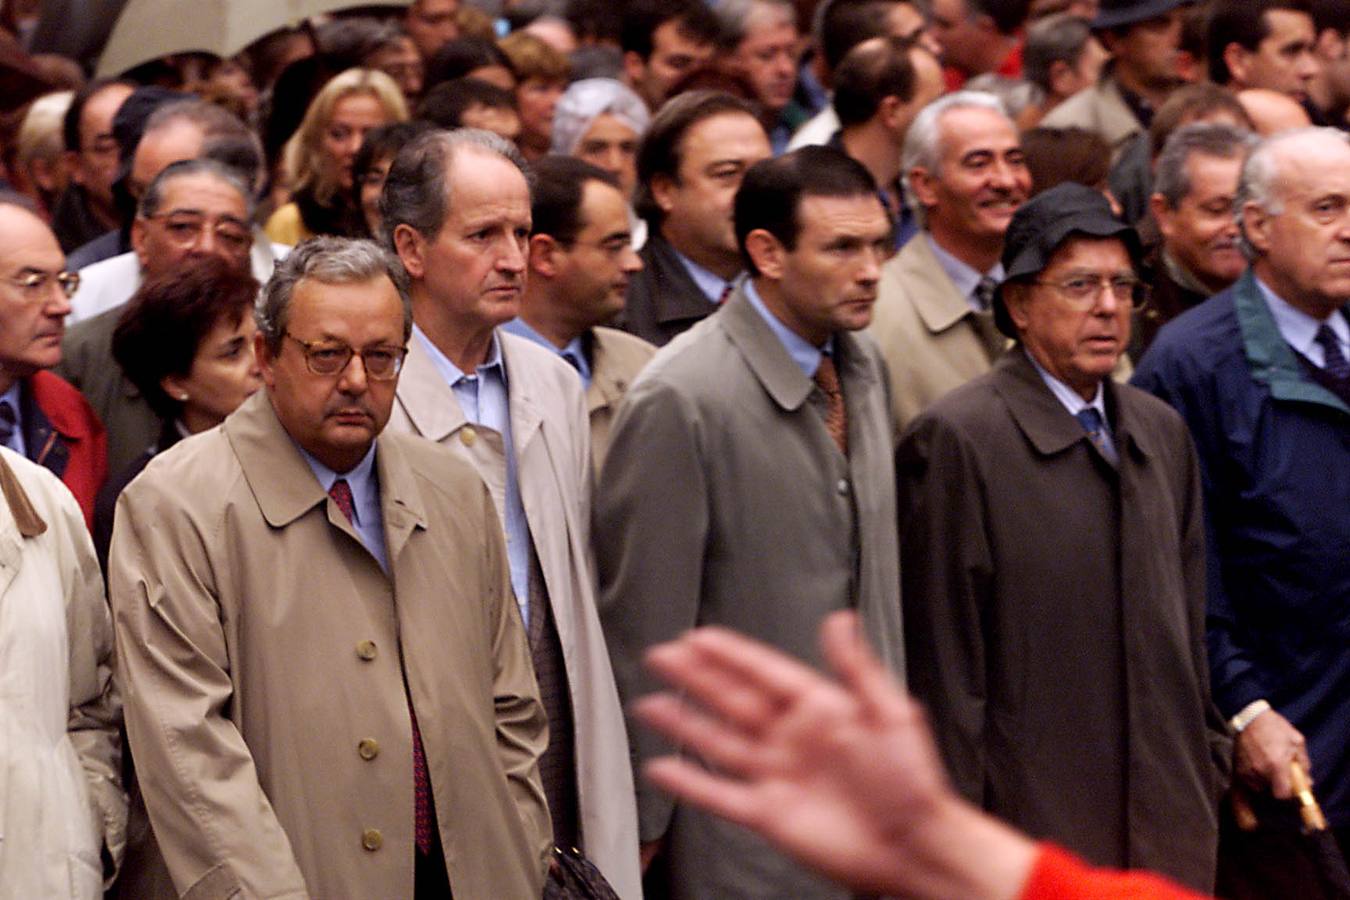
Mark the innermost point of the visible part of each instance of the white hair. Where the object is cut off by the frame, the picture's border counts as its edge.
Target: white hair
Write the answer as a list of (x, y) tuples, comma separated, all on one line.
[(923, 141), (1261, 174)]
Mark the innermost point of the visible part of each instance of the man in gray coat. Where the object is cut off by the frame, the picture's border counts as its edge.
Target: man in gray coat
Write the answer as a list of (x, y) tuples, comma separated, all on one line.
[(749, 481), (1053, 568)]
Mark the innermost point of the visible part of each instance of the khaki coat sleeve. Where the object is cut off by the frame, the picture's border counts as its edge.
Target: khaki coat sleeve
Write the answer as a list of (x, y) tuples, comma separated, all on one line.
[(213, 822), (95, 721)]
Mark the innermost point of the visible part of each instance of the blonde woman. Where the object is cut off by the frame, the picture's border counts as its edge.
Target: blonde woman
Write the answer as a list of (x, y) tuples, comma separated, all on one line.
[(318, 158)]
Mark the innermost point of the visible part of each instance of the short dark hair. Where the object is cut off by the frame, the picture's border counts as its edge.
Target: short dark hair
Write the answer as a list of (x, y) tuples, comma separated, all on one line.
[(1188, 103), (662, 147), (1241, 22), (445, 104), (559, 186), (1058, 38), (461, 56), (165, 321), (695, 22), (844, 24), (771, 195), (869, 73), (70, 124)]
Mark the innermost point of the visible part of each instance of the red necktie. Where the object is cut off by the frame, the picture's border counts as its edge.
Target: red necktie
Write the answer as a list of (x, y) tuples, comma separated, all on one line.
[(836, 418), (341, 493)]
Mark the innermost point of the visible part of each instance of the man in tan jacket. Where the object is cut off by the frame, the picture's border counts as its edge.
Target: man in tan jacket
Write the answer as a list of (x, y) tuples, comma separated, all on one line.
[(328, 689)]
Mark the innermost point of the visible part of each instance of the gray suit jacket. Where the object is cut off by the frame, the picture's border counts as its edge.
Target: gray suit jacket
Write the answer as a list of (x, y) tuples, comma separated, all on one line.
[(725, 500)]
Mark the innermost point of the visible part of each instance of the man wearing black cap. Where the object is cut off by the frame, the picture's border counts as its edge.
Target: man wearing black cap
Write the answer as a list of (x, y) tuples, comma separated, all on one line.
[(1144, 37), (1053, 567)]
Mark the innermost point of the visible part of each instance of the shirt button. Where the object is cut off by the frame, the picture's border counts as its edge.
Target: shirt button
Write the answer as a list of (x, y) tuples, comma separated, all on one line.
[(368, 748), (467, 436), (365, 650), (371, 839), (842, 487)]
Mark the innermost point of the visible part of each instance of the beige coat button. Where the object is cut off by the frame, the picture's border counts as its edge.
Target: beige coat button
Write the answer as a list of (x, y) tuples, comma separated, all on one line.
[(371, 839), (368, 748), (467, 435), (365, 650)]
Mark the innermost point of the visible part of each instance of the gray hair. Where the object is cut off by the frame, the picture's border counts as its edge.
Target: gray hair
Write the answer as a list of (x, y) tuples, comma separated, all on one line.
[(1261, 173), (1170, 177), (586, 100), (733, 19), (328, 260), (225, 137), (1057, 38), (923, 141), (153, 198), (416, 190)]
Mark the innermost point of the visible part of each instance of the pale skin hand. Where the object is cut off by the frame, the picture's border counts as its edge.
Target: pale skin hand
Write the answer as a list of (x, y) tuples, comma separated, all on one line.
[(1264, 750), (843, 776)]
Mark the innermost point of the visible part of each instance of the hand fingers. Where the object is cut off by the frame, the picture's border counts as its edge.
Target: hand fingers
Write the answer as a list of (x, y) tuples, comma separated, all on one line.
[(848, 655), (716, 794), (717, 742)]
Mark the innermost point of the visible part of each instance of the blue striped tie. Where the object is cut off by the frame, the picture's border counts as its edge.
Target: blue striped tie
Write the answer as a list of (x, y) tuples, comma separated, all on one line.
[(1092, 423)]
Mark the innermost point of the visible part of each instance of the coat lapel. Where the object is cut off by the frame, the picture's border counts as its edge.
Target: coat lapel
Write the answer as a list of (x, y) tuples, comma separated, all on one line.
[(936, 299), (782, 379), (282, 483), (429, 402)]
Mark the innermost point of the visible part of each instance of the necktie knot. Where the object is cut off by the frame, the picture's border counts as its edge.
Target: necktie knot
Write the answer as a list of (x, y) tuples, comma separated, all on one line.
[(1334, 361), (1095, 426), (984, 292), (341, 494)]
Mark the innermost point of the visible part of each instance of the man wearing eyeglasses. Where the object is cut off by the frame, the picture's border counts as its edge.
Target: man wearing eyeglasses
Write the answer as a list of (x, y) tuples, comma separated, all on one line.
[(329, 691), (581, 257), (42, 416), (1052, 563), (192, 209)]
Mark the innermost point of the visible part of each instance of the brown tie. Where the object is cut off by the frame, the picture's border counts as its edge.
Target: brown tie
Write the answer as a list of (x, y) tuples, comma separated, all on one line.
[(341, 493), (836, 418)]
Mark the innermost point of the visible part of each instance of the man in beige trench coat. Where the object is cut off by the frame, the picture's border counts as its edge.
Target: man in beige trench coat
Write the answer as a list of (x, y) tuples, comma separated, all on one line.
[(457, 211), (327, 694)]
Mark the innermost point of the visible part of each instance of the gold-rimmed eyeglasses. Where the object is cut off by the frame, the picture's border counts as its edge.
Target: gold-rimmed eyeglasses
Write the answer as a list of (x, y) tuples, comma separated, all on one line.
[(328, 358), (1085, 290)]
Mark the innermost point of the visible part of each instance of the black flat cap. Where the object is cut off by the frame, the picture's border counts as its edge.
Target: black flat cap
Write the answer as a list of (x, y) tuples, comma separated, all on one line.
[(1118, 13), (1042, 224)]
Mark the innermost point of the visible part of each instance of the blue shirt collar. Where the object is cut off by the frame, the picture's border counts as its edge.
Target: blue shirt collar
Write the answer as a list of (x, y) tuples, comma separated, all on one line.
[(1299, 329), (574, 353), (1067, 396), (451, 372), (803, 353), (710, 284), (965, 277)]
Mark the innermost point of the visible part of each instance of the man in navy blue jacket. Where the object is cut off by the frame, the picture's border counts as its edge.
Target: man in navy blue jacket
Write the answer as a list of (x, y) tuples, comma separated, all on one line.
[(1260, 373)]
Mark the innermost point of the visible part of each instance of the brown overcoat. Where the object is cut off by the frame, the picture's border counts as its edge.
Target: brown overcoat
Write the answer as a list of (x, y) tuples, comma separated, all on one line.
[(263, 655), (1054, 619)]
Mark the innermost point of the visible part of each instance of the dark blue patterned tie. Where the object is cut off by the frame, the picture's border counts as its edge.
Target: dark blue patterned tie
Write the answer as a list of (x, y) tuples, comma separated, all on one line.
[(1334, 361), (8, 422), (1092, 423)]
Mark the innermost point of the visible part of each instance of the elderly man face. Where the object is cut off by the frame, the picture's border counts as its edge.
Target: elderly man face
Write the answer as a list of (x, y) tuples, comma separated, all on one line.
[(199, 215), (33, 303), (1302, 235), (473, 269), (1075, 332), (335, 417), (611, 144), (1200, 232), (768, 55)]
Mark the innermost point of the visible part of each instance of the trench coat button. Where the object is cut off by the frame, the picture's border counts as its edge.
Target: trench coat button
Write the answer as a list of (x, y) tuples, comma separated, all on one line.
[(365, 650), (842, 487), (368, 748), (371, 839), (467, 436)]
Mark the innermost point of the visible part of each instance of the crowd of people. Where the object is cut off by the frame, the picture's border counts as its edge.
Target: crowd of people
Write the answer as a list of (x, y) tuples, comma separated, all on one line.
[(388, 409)]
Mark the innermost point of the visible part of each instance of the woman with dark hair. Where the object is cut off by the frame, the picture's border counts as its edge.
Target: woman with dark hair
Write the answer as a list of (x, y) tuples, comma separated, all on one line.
[(185, 340)]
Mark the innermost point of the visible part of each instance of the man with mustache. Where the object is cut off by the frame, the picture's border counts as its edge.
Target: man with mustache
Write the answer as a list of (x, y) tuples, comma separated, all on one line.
[(328, 690), (581, 257), (749, 482), (456, 209), (965, 176), (1052, 562), (1259, 372), (1194, 185)]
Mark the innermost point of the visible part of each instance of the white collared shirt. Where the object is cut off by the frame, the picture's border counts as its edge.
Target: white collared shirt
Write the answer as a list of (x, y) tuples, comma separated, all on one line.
[(1299, 329)]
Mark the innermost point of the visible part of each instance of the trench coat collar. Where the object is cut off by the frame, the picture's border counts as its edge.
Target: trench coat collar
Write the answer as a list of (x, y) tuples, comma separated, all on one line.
[(285, 488), (434, 410), (26, 518), (1269, 356), (936, 299), (607, 386), (766, 356), (1045, 421)]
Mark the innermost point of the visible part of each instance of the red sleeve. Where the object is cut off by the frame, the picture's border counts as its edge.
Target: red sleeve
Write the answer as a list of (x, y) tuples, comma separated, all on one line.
[(1058, 875)]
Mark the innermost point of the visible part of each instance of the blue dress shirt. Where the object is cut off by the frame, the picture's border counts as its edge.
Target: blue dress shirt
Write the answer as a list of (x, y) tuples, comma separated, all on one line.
[(803, 352), (367, 517), (1074, 402), (712, 286), (574, 354), (965, 277)]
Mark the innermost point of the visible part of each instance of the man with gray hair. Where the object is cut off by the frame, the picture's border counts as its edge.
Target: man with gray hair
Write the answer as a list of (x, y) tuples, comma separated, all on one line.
[(759, 41), (456, 210), (601, 121), (1061, 57), (328, 691), (1260, 374), (1195, 183), (191, 209), (965, 176)]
